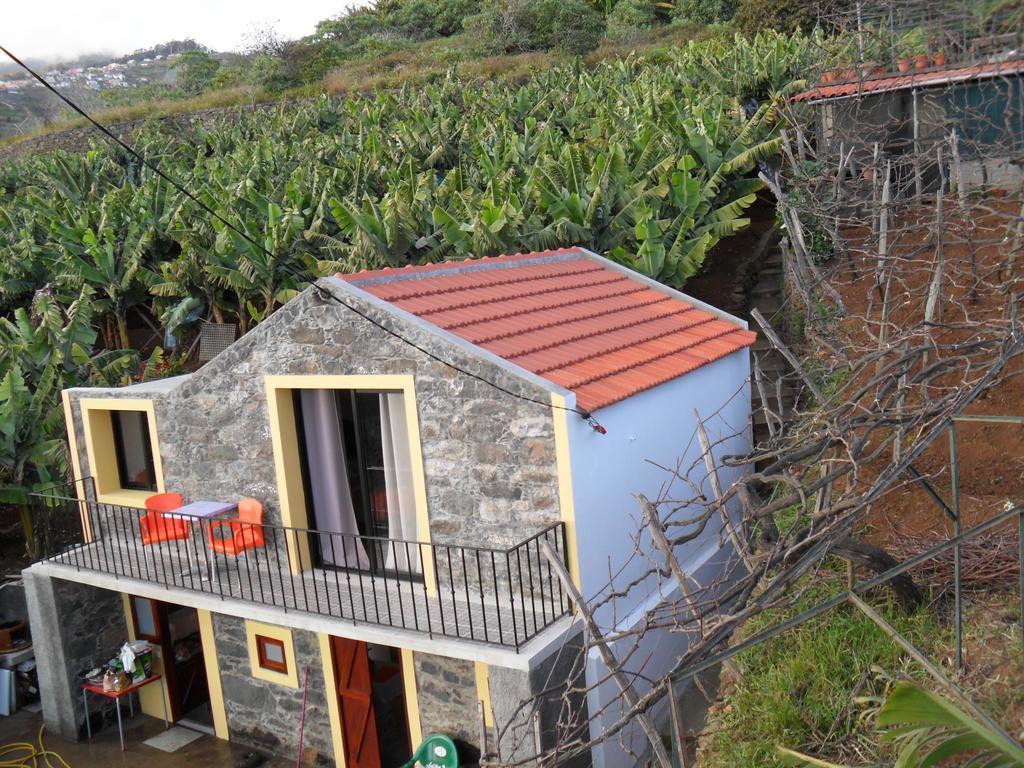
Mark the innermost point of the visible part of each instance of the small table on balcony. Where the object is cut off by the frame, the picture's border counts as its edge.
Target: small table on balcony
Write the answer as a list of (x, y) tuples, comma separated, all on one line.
[(200, 510), (88, 688)]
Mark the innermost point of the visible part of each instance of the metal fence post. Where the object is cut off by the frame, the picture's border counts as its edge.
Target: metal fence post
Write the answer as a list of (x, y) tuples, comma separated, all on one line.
[(1020, 565), (954, 479)]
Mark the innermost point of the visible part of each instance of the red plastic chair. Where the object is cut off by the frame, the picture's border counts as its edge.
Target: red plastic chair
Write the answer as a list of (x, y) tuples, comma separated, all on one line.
[(155, 527), (246, 531)]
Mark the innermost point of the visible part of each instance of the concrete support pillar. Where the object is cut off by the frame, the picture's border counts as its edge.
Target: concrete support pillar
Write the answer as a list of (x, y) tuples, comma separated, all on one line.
[(60, 712), (544, 687), (74, 626)]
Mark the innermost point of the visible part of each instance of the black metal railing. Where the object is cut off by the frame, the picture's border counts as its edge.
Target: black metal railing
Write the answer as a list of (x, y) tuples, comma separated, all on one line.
[(489, 595)]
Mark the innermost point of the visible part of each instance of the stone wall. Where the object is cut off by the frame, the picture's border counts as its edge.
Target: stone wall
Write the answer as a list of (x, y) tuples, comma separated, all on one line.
[(74, 627), (558, 683), (448, 703), (266, 715), (489, 458), (516, 694)]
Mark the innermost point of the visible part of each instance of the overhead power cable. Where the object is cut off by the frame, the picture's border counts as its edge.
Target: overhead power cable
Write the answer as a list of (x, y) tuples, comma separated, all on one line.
[(252, 241)]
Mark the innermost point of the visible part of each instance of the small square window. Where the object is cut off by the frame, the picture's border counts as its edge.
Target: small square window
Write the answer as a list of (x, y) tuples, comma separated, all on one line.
[(147, 624), (271, 654)]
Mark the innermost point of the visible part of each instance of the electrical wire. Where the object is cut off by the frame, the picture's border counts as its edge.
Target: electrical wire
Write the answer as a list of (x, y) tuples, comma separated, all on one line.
[(585, 415), (32, 754)]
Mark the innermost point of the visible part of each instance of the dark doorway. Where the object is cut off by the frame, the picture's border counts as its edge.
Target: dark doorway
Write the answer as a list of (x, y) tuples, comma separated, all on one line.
[(173, 630), (371, 699)]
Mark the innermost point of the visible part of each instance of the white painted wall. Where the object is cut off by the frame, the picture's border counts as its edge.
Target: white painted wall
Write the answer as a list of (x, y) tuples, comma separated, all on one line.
[(656, 427)]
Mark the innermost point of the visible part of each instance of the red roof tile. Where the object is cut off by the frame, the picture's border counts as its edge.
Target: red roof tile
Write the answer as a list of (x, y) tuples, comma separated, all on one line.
[(912, 80), (566, 316)]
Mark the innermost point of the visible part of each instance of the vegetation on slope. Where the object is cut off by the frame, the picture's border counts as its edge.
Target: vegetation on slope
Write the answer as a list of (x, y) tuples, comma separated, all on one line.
[(645, 160), (394, 42)]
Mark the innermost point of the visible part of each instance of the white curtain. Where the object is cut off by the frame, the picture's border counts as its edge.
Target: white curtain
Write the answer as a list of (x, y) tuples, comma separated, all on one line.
[(333, 509), (398, 483)]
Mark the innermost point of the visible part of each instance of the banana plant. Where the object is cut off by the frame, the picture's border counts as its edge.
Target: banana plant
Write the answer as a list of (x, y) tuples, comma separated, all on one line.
[(41, 353)]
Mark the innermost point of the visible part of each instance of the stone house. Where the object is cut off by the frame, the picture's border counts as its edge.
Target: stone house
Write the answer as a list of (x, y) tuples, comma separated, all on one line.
[(907, 116), (418, 439)]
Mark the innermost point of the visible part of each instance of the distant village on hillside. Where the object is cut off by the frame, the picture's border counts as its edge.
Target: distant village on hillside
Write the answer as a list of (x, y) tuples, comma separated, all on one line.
[(96, 78), (25, 104)]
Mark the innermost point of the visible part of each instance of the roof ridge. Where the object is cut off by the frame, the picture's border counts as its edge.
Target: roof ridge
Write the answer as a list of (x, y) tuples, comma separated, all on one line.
[(659, 356), (469, 264), (608, 312)]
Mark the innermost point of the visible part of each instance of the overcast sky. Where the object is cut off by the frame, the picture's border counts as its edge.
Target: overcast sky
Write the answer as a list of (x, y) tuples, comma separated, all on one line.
[(64, 29)]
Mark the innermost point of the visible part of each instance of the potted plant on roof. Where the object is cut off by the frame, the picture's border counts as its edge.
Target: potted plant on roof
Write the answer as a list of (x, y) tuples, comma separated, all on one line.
[(914, 45), (876, 47)]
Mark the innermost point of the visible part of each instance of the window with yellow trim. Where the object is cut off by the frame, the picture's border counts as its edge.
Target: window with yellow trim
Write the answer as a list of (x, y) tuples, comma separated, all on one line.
[(122, 447), (271, 653)]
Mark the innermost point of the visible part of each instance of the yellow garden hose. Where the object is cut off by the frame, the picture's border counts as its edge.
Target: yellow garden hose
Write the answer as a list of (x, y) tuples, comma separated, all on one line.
[(31, 755)]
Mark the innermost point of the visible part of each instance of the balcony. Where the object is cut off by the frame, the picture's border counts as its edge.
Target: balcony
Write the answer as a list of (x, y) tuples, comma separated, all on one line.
[(500, 597)]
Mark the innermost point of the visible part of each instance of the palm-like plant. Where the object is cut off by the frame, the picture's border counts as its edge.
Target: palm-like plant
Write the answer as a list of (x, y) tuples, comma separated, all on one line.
[(40, 354)]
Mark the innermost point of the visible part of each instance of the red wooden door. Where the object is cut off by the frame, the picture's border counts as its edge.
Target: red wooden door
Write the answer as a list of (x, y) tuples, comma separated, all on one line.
[(358, 721)]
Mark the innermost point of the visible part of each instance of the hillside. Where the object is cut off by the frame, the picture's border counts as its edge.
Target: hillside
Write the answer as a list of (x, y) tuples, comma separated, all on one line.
[(387, 45), (93, 82)]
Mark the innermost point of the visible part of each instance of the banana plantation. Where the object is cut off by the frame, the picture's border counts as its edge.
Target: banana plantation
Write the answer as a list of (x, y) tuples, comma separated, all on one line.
[(650, 161)]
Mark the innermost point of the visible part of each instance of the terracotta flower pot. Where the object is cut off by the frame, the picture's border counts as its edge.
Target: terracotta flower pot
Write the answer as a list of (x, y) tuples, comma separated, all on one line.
[(826, 77), (922, 62), (939, 59), (878, 71), (849, 74), (903, 65)]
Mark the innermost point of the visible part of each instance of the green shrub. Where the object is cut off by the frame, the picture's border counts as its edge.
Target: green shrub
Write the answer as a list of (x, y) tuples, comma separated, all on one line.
[(351, 28), (630, 20), (705, 11), (228, 77), (449, 15), (309, 62), (195, 71), (374, 47), (414, 19), (512, 26), (783, 15)]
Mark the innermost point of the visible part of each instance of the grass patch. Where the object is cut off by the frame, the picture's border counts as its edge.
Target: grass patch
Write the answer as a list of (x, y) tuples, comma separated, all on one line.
[(798, 688)]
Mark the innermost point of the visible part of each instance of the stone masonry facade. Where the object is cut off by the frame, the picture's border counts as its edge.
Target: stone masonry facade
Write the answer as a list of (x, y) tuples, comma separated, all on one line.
[(489, 464), (489, 458), (75, 627), (266, 715), (446, 689)]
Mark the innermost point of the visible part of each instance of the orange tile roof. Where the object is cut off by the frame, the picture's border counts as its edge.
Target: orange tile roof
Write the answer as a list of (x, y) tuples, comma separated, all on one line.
[(565, 315), (913, 80)]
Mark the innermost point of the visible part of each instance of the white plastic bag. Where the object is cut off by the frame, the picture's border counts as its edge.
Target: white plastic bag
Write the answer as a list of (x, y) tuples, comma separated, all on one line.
[(127, 657)]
